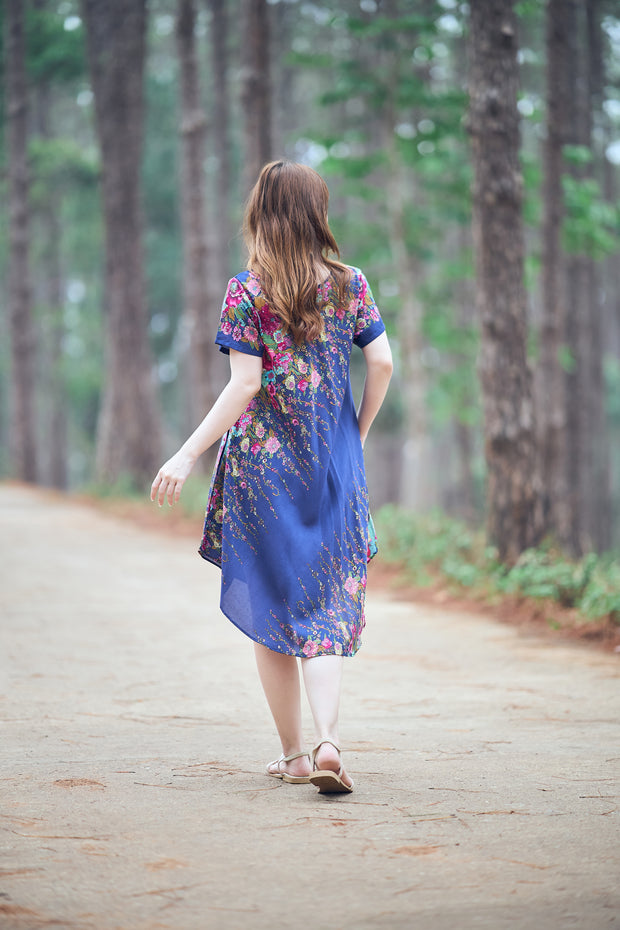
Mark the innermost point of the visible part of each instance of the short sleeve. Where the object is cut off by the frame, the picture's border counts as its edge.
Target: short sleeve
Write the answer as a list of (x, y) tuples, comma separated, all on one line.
[(238, 329), (369, 324)]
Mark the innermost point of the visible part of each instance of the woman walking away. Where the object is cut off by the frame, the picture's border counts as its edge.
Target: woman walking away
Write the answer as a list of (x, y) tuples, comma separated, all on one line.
[(287, 516)]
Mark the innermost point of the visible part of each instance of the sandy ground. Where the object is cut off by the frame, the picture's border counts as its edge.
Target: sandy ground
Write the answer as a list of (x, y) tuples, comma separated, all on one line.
[(135, 735)]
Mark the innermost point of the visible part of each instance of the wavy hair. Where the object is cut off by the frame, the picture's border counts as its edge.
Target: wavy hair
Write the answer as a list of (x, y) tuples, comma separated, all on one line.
[(288, 240)]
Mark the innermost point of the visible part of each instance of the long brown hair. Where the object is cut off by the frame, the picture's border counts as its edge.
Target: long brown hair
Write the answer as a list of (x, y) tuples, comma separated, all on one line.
[(288, 240)]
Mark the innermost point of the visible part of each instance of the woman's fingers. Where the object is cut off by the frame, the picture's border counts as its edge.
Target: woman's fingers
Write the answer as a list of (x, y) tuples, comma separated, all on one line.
[(155, 486), (170, 479)]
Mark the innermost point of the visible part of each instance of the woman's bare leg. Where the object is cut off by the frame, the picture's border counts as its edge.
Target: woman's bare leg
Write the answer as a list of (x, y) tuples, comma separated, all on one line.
[(279, 677), (322, 678)]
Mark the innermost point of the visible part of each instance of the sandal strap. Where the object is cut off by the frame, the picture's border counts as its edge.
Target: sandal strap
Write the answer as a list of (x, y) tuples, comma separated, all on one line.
[(318, 746), (295, 755)]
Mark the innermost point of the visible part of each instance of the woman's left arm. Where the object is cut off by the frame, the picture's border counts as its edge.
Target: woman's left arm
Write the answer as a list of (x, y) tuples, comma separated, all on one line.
[(245, 381)]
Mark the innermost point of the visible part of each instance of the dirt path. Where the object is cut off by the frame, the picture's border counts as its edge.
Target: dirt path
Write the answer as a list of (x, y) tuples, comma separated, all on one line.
[(135, 735)]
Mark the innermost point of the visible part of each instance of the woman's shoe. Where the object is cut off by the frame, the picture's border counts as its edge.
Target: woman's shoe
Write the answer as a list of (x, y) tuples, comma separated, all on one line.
[(291, 779), (327, 781)]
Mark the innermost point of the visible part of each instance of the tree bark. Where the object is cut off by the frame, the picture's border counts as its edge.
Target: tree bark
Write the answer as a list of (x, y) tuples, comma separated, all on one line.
[(255, 90), (197, 325), (51, 296), (221, 244), (128, 440), (587, 450), (514, 517), (423, 492), (22, 428), (551, 379), (601, 509)]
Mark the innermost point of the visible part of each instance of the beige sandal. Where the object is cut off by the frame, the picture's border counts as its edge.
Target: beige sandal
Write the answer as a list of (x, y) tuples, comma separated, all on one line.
[(327, 781), (291, 779)]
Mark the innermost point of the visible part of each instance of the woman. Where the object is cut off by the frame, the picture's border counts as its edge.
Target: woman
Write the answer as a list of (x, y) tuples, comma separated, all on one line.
[(287, 517)]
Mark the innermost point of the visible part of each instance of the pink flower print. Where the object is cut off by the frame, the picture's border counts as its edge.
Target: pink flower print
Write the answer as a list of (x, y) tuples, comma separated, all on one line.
[(245, 444), (302, 384), (255, 448), (237, 333), (260, 430), (340, 313), (295, 421), (338, 649), (302, 366), (244, 484), (227, 328), (315, 378), (326, 644), (351, 585), (289, 384), (235, 294), (271, 390), (311, 648), (272, 445), (250, 333)]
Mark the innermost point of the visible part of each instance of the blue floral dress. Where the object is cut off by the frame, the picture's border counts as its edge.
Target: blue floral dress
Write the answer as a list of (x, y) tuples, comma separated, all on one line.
[(287, 515)]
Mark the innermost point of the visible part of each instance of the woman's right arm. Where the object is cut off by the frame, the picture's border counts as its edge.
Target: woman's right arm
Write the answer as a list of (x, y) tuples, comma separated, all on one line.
[(244, 383), (378, 358)]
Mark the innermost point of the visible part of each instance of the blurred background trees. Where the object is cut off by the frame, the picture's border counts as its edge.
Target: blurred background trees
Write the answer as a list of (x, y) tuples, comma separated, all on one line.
[(131, 134)]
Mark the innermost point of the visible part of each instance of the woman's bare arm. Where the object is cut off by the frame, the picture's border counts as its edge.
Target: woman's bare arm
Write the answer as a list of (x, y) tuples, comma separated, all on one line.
[(244, 383), (378, 357)]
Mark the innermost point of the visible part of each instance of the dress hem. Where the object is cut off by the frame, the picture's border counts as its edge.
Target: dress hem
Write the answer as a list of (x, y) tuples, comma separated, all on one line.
[(296, 655)]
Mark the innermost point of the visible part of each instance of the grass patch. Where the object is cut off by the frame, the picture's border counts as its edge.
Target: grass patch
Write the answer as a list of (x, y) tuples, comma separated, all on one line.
[(433, 548)]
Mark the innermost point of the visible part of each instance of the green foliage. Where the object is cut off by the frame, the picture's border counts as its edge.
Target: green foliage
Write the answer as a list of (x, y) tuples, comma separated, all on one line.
[(577, 154), (435, 547), (592, 225), (54, 53), (60, 165)]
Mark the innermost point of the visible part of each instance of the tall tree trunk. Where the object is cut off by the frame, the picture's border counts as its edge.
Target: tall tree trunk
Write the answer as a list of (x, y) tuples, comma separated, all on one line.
[(514, 517), (56, 434), (586, 446), (600, 511), (255, 89), (220, 245), (421, 493), (551, 407), (22, 438), (199, 328), (129, 428)]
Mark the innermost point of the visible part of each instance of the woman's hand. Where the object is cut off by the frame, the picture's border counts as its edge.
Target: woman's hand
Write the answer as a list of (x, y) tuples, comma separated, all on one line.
[(171, 478)]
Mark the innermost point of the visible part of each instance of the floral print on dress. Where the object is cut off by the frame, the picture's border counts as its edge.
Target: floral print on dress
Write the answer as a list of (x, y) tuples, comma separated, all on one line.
[(287, 515)]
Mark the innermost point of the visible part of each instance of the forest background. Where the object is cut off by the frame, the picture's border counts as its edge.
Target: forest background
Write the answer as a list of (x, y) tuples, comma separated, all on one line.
[(132, 135)]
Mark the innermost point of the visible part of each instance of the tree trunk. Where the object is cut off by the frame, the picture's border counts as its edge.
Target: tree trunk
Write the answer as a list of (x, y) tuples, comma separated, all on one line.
[(22, 438), (551, 380), (255, 90), (420, 489), (56, 427), (221, 241), (600, 513), (586, 446), (419, 485), (514, 517), (128, 440), (199, 331)]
